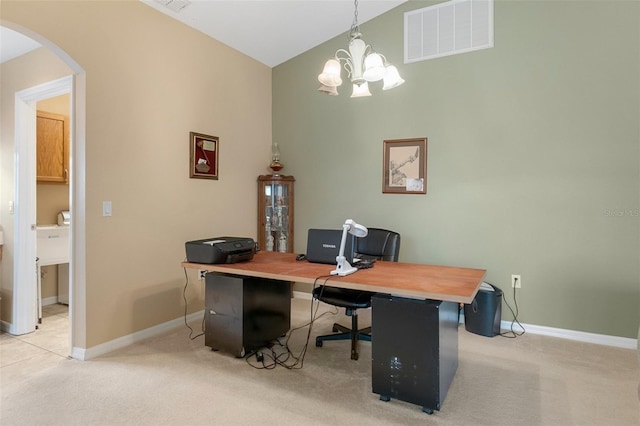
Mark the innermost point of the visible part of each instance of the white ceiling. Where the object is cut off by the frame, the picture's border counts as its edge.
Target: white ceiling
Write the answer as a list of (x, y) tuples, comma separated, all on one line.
[(13, 44), (270, 31)]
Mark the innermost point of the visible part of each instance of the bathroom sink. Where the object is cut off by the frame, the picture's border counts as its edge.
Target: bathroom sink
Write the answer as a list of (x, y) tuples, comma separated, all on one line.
[(52, 244)]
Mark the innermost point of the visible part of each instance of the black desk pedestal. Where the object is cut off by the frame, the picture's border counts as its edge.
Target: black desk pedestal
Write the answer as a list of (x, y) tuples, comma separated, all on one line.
[(414, 349), (242, 314)]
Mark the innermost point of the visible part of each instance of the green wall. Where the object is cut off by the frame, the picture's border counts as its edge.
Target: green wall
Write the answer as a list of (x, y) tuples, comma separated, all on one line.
[(533, 156)]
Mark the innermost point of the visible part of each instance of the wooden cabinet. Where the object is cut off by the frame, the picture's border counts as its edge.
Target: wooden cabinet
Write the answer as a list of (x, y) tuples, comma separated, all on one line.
[(275, 213), (52, 136)]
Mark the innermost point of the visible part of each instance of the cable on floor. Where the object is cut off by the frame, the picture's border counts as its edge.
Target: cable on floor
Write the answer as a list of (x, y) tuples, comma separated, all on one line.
[(512, 334), (277, 352), (184, 296)]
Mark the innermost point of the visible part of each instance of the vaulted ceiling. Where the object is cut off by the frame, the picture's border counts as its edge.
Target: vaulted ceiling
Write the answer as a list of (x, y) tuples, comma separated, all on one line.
[(270, 31)]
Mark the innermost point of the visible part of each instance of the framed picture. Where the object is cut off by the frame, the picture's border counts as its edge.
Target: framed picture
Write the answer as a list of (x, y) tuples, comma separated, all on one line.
[(204, 154), (404, 166)]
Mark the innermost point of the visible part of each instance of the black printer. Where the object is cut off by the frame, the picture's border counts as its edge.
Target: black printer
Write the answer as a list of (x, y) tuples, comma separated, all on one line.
[(220, 250)]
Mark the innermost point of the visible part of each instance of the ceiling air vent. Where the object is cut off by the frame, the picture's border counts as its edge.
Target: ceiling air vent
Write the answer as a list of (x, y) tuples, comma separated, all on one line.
[(174, 5), (449, 28)]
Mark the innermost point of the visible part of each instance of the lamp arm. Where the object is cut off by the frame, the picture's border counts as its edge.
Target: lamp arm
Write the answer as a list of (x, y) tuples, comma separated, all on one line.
[(343, 241), (343, 267), (345, 60), (341, 57)]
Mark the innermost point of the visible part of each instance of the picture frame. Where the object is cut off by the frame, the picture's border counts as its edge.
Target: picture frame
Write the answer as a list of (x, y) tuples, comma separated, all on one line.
[(404, 166), (204, 155)]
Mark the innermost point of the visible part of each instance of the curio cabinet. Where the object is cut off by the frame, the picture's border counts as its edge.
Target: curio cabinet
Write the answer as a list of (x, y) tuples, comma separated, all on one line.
[(275, 213)]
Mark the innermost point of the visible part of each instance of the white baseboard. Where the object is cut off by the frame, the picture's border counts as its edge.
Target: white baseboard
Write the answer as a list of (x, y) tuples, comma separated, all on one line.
[(50, 301), (82, 354), (121, 342), (580, 336), (301, 295)]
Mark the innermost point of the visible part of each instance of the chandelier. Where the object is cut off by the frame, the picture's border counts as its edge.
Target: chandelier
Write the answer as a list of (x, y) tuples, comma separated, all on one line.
[(362, 64)]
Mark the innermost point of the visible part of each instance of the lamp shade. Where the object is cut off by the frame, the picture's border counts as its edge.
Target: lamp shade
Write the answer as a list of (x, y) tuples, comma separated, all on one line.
[(330, 75), (392, 78), (356, 229), (329, 90), (360, 91), (373, 67)]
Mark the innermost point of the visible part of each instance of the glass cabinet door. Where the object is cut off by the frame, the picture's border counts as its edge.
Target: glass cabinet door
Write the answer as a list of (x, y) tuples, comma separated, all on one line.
[(275, 213)]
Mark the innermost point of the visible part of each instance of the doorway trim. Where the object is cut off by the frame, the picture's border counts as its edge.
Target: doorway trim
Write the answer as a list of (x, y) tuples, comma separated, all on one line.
[(77, 195), (24, 270), (24, 296)]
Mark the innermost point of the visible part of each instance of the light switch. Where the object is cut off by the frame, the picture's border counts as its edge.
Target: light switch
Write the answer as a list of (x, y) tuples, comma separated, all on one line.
[(106, 208)]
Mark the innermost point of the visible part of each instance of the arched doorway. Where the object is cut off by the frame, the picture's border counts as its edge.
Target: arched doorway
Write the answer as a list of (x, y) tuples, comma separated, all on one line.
[(23, 295)]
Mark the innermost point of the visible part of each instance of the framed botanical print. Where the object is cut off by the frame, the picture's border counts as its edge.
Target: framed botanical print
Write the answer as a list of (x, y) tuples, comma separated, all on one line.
[(404, 168)]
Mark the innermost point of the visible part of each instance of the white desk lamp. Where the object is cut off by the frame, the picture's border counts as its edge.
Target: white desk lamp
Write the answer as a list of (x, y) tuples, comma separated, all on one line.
[(344, 267)]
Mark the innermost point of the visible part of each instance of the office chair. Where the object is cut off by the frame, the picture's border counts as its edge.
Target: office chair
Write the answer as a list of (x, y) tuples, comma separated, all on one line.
[(379, 244)]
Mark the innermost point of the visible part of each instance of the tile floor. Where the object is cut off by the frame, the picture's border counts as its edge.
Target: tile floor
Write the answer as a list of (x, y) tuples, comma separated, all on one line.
[(23, 355)]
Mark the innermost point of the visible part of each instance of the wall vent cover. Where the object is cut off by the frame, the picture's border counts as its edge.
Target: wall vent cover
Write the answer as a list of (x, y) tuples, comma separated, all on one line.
[(449, 28), (174, 5)]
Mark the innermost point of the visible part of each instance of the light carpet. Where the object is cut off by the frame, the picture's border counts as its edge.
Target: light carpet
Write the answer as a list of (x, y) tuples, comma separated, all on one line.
[(172, 380)]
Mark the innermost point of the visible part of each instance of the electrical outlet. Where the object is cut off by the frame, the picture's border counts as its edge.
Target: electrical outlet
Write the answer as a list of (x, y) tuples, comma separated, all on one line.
[(201, 274), (516, 281)]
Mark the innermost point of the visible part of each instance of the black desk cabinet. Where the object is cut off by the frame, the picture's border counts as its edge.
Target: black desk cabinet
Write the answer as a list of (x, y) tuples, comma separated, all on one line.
[(414, 349), (242, 314)]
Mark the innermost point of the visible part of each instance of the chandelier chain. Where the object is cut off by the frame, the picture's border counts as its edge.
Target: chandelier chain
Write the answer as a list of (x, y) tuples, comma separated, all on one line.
[(355, 29)]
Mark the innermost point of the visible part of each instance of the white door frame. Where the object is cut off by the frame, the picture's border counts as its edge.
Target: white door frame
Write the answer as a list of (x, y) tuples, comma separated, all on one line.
[(24, 243)]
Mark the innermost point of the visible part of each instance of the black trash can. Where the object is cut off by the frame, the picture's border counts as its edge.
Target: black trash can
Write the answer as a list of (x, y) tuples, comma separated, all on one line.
[(483, 315)]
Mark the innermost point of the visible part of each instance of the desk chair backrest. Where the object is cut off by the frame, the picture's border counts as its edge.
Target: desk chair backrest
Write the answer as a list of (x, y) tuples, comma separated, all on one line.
[(380, 244)]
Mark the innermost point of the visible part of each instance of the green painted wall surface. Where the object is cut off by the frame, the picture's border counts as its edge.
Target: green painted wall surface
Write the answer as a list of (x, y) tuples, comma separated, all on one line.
[(533, 156)]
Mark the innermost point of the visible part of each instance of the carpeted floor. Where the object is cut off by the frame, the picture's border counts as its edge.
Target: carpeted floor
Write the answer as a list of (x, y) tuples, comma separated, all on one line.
[(172, 380)]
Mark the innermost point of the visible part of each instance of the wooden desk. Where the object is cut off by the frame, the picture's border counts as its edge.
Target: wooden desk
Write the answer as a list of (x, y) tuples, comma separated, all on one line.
[(414, 316), (450, 284)]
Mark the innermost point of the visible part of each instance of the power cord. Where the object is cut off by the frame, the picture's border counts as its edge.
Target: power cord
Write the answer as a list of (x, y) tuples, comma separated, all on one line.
[(278, 353), (184, 296), (512, 334)]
